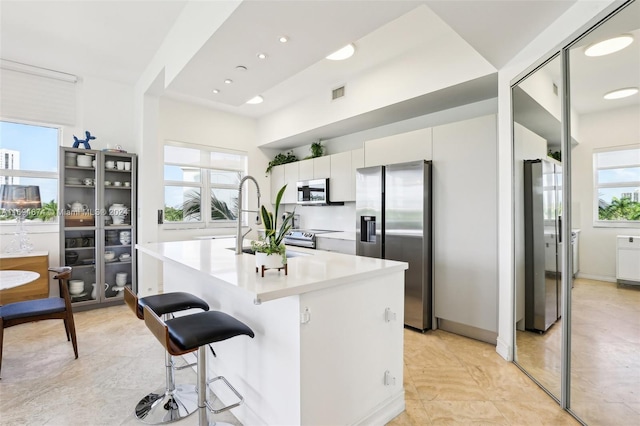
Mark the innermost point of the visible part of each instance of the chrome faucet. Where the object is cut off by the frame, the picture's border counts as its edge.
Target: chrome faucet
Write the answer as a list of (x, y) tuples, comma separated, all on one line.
[(239, 235)]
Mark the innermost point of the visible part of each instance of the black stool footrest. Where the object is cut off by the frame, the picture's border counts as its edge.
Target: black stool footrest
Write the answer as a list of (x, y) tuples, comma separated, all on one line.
[(192, 331)]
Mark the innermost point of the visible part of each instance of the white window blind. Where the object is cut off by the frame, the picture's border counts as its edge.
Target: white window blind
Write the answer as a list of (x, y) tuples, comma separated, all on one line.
[(39, 98)]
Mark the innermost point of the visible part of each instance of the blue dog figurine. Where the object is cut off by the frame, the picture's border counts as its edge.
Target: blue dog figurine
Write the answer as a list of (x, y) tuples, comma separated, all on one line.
[(85, 142)]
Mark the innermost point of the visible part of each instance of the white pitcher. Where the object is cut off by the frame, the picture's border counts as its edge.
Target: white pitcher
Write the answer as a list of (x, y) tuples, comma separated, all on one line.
[(94, 292)]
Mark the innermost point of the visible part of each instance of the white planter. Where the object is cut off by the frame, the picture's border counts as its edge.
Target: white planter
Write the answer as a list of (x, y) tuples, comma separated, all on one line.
[(270, 261)]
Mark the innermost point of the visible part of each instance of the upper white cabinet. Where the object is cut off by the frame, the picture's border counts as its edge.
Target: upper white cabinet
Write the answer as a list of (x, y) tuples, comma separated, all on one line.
[(286, 174), (305, 169), (340, 168), (322, 167), (343, 174), (277, 181), (291, 178), (314, 168), (340, 188), (400, 148)]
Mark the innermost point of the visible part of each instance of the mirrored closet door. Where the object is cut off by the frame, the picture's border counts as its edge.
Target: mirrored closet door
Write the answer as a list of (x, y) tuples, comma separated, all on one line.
[(586, 359), (605, 186)]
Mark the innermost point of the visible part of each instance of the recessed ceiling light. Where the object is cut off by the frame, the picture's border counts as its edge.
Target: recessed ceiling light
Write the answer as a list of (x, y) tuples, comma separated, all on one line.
[(344, 53), (621, 93), (262, 55), (257, 100), (283, 39), (228, 81), (215, 91), (608, 46)]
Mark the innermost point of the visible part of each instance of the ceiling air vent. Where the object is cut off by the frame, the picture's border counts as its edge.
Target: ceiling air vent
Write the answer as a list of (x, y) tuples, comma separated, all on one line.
[(337, 93)]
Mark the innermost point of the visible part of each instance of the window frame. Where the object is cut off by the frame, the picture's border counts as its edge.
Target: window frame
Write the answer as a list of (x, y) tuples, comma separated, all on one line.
[(37, 227), (597, 222), (205, 185)]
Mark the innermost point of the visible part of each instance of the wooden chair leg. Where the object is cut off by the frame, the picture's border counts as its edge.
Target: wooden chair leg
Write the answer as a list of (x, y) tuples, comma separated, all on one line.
[(1, 339), (72, 331)]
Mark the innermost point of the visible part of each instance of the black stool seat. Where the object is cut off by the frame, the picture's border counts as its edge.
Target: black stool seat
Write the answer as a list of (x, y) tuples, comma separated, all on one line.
[(192, 331), (167, 303)]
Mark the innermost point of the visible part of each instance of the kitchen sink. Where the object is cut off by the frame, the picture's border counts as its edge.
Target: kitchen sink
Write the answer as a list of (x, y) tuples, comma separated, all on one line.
[(290, 253)]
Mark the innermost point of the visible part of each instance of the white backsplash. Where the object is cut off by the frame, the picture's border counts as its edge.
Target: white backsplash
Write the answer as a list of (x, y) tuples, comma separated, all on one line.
[(337, 218)]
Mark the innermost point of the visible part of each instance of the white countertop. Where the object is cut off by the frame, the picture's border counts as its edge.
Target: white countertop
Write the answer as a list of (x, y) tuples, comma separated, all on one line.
[(317, 271), (350, 236)]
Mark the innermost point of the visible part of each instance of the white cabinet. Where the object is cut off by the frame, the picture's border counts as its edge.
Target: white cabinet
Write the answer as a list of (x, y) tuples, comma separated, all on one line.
[(628, 259), (277, 181), (322, 167), (400, 148), (314, 168), (340, 168), (291, 179), (465, 202), (338, 245), (305, 169), (343, 174), (281, 175), (340, 184)]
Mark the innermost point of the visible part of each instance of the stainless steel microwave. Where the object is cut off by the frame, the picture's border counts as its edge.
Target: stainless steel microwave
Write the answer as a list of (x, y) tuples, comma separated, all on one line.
[(314, 191)]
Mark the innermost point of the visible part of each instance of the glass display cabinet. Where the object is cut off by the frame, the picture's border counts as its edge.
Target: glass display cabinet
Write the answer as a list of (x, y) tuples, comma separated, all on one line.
[(98, 224)]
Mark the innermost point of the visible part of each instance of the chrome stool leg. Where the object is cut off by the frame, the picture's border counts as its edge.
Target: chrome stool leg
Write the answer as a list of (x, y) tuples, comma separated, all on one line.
[(203, 405), (170, 403)]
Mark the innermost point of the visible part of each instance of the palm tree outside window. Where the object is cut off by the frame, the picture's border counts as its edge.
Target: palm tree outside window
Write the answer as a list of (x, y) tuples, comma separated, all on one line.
[(201, 185)]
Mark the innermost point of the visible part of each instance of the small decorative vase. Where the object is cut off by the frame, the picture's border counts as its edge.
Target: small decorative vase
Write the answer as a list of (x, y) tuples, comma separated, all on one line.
[(117, 212)]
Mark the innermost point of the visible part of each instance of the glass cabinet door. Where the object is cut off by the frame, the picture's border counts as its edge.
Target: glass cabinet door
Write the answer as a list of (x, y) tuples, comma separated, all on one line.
[(79, 221), (118, 199)]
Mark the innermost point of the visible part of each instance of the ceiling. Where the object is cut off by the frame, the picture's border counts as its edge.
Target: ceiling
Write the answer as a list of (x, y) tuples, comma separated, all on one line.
[(116, 40)]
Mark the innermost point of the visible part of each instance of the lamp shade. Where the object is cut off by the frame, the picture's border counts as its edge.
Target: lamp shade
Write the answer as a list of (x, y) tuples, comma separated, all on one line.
[(20, 197)]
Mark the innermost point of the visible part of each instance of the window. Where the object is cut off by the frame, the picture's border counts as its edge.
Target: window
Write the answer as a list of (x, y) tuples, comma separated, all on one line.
[(617, 186), (201, 184), (29, 156)]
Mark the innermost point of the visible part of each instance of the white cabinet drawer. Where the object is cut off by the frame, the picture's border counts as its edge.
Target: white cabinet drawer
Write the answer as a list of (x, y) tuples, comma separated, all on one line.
[(628, 258)]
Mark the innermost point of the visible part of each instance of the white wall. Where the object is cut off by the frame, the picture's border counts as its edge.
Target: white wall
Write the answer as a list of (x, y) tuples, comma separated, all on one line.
[(106, 110), (597, 244), (184, 122)]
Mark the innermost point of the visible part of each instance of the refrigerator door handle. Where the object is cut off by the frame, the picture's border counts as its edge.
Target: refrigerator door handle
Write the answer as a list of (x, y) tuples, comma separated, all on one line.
[(559, 229)]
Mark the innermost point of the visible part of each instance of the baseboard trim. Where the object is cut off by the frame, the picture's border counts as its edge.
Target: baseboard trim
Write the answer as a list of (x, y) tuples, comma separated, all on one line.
[(387, 411), (504, 350), (596, 277), (468, 331)]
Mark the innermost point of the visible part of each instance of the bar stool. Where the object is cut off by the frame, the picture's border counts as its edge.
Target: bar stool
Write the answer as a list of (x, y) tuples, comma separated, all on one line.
[(195, 332), (172, 402)]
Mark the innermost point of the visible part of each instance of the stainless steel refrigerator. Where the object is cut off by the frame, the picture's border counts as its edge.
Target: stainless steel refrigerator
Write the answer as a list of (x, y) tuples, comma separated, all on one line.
[(393, 221), (542, 239)]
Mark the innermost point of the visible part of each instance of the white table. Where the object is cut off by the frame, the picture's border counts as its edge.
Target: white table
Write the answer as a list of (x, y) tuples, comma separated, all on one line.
[(10, 279)]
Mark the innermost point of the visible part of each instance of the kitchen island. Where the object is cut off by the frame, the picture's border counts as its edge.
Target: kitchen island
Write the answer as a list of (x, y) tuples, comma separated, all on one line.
[(328, 348)]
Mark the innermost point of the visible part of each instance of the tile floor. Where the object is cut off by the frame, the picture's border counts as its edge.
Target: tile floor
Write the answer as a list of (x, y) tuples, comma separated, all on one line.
[(449, 380)]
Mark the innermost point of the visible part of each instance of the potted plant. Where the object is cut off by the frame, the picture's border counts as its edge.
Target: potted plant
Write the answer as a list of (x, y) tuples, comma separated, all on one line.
[(288, 157), (270, 251)]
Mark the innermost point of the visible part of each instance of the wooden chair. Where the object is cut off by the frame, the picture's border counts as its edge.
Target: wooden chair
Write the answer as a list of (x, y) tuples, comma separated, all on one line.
[(42, 309)]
